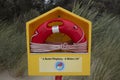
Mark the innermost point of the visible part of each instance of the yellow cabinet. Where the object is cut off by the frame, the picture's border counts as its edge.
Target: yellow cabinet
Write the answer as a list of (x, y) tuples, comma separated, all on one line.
[(44, 64)]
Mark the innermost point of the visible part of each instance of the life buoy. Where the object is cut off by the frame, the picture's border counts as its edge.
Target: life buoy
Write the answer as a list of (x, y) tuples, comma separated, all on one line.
[(67, 27)]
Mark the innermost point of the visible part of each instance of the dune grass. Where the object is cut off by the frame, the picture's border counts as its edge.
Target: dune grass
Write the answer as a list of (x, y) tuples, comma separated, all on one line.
[(105, 43), (13, 42)]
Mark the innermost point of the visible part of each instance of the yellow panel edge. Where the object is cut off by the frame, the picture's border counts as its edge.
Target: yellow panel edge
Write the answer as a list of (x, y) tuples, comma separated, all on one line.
[(56, 9), (47, 13)]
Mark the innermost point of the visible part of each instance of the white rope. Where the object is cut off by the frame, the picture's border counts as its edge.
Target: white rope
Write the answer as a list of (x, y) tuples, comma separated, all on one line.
[(83, 34), (76, 47)]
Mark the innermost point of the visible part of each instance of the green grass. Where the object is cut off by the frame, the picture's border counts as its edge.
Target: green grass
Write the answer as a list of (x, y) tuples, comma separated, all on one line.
[(105, 61), (13, 42)]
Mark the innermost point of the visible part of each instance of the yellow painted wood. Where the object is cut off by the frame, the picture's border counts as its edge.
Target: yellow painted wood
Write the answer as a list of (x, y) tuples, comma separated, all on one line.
[(33, 59)]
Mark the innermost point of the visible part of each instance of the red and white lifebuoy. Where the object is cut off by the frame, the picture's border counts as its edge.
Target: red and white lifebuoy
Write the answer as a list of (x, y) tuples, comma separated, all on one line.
[(67, 27)]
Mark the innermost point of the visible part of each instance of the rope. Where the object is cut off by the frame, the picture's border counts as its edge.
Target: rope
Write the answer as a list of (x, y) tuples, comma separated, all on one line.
[(76, 47), (83, 34)]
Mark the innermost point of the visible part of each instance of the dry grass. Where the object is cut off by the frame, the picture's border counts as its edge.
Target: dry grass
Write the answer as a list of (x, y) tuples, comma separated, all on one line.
[(13, 43), (105, 44)]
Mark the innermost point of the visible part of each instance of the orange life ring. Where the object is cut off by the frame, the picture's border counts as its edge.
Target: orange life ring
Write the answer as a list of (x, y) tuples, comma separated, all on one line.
[(67, 27)]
